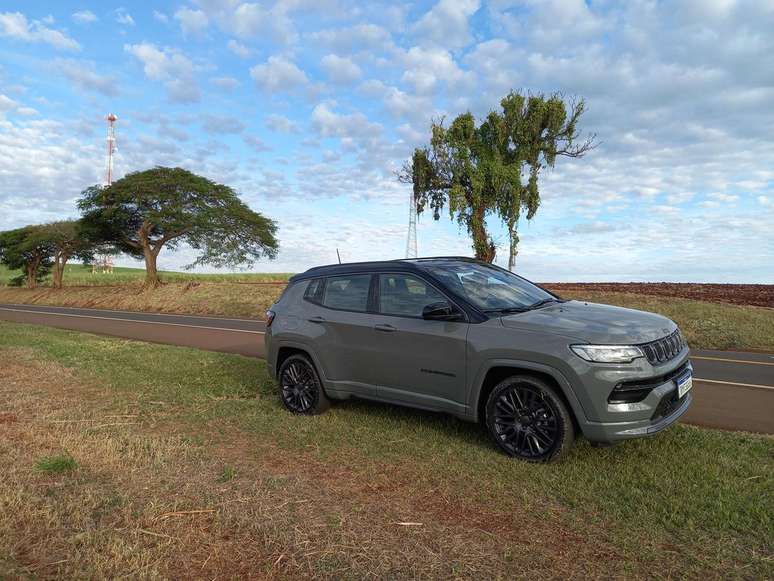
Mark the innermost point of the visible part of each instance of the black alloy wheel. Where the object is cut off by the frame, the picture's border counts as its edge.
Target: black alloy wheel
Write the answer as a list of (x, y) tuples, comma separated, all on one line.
[(528, 420), (300, 388)]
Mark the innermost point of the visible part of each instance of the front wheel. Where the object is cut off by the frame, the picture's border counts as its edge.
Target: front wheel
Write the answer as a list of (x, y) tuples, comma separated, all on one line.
[(528, 420), (301, 390)]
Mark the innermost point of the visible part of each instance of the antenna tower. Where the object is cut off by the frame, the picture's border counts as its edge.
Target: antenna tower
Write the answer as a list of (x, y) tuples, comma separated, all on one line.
[(111, 146), (411, 240)]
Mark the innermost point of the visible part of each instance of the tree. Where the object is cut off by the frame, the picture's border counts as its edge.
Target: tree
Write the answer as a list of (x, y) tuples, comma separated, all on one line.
[(148, 210), (68, 239), (478, 171), (28, 249)]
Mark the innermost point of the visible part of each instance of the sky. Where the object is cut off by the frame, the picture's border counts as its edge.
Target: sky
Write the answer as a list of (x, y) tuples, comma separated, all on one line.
[(309, 108)]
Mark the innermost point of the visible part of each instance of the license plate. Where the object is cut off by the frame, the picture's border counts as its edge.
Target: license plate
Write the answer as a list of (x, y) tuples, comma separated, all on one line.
[(684, 384)]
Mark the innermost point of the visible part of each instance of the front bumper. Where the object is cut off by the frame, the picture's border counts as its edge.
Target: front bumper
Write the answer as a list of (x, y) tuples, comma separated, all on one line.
[(660, 408), (613, 432)]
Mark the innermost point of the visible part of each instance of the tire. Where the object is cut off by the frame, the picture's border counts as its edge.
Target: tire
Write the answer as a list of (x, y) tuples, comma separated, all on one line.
[(301, 390), (528, 420)]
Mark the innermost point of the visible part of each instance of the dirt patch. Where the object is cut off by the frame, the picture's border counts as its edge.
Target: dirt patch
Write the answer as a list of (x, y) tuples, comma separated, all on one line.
[(759, 295)]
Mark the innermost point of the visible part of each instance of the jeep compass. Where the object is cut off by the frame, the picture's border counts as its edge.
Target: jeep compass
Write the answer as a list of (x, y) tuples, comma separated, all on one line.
[(468, 338)]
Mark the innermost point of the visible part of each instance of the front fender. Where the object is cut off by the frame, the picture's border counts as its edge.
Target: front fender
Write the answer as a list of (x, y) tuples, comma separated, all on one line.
[(519, 365)]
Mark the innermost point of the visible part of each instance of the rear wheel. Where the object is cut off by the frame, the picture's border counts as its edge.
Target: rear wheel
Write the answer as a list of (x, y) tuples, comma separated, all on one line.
[(300, 388), (528, 420)]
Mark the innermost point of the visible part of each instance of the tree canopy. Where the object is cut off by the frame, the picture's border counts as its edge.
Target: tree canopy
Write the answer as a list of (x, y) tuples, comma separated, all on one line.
[(29, 249), (147, 210), (492, 169)]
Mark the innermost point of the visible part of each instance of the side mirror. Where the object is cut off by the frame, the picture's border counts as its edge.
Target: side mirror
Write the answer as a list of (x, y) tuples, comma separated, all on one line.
[(441, 311)]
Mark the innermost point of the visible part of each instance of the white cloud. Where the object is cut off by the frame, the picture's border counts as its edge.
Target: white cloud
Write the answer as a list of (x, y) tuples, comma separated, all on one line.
[(361, 37), (15, 25), (192, 22), (226, 83), (340, 69), (278, 74), (446, 24), (765, 201), (83, 75), (222, 124), (426, 68), (123, 17), (84, 17), (238, 49), (160, 16), (281, 124), (251, 20), (169, 66)]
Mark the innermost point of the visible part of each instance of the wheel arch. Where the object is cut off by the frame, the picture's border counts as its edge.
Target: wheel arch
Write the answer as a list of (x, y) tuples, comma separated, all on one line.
[(498, 370), (285, 350)]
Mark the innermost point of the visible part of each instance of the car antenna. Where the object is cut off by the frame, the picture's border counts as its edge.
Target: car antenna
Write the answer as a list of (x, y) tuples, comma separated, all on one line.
[(338, 255)]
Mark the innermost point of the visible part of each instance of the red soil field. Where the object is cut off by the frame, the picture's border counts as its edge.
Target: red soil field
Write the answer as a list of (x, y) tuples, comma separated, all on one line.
[(759, 295)]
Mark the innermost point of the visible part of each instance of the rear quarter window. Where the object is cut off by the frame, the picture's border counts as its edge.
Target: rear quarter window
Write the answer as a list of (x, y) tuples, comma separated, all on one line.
[(314, 291)]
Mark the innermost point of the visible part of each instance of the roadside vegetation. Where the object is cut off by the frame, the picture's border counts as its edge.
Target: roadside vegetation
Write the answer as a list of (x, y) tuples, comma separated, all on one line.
[(140, 215), (706, 325), (161, 453)]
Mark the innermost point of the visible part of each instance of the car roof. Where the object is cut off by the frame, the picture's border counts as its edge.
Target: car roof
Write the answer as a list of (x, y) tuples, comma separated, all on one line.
[(403, 264)]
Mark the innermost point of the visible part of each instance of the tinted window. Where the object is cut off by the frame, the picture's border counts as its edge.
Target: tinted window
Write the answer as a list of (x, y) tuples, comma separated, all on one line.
[(405, 295), (347, 292), (486, 287), (314, 292)]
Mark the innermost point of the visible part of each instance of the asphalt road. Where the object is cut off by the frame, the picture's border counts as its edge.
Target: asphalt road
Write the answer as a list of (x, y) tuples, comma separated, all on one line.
[(732, 390)]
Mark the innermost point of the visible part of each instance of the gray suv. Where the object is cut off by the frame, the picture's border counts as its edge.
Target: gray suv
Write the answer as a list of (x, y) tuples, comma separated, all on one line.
[(471, 339)]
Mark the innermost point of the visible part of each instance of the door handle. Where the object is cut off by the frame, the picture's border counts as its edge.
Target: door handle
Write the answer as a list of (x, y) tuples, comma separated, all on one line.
[(385, 328), (316, 320)]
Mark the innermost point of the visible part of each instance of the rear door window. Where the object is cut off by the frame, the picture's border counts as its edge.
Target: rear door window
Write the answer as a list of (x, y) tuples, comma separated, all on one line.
[(349, 293)]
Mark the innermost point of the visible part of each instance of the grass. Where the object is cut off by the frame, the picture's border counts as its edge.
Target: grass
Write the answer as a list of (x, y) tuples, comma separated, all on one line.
[(163, 432), (81, 275), (56, 464), (706, 325)]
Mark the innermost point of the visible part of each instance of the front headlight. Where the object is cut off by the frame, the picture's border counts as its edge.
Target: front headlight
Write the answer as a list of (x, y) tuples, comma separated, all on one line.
[(607, 353)]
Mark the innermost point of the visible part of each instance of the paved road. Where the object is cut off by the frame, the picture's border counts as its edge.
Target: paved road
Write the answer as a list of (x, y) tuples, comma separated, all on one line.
[(733, 390)]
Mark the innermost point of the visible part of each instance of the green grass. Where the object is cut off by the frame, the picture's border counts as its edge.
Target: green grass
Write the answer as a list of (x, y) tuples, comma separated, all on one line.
[(56, 464), (702, 500), (81, 275)]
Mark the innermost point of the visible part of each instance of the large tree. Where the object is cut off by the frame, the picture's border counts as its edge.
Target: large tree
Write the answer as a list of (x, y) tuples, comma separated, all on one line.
[(492, 169), (67, 240), (28, 249), (145, 211)]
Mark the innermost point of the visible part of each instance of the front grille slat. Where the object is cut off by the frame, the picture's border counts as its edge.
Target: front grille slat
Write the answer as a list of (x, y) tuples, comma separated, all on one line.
[(664, 349)]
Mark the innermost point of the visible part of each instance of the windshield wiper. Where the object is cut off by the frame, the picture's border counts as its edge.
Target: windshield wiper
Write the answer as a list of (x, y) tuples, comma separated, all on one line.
[(541, 303), (506, 310)]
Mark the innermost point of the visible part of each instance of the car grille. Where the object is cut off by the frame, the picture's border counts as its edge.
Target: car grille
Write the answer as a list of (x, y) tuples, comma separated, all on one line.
[(665, 349)]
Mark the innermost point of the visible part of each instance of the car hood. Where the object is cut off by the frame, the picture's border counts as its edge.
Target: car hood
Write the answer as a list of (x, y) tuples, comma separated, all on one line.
[(594, 323)]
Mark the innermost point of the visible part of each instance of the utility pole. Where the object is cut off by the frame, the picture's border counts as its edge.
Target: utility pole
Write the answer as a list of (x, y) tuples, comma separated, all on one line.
[(411, 240)]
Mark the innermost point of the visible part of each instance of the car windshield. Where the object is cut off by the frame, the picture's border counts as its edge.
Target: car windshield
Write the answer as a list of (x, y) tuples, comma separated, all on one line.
[(488, 288)]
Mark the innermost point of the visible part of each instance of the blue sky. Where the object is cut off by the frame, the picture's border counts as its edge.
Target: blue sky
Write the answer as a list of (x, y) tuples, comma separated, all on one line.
[(309, 108)]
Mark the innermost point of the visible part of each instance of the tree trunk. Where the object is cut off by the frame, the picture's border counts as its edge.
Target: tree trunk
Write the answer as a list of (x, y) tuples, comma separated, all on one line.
[(482, 243), (59, 265), (513, 237), (32, 278), (151, 274)]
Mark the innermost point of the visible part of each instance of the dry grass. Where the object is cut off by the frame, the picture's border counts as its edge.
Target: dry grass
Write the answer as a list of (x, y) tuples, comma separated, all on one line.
[(146, 502), (707, 325), (199, 298), (362, 491)]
